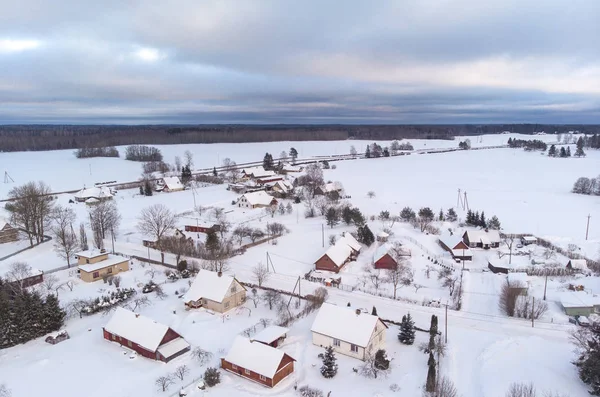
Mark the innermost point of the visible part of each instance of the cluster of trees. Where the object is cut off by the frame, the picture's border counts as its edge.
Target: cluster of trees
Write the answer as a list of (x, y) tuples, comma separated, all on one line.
[(553, 152), (142, 153), (310, 179), (591, 141), (105, 151), (26, 315), (590, 186), (102, 303), (30, 208), (534, 144), (374, 150), (281, 209), (364, 235), (421, 220), (465, 145), (478, 219), (587, 343), (514, 304)]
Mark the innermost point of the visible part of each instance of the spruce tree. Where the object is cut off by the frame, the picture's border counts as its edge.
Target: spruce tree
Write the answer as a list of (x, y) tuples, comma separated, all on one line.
[(212, 242), (588, 364), (441, 215), (329, 367), (482, 221), (215, 171), (293, 154), (268, 161), (552, 151), (381, 360), (53, 314), (430, 385), (386, 152), (563, 152), (579, 152), (568, 151), (451, 215), (407, 330), (433, 328), (494, 223), (374, 311), (368, 152)]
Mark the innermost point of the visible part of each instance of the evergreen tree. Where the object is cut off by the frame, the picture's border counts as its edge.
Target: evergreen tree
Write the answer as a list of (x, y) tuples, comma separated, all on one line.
[(332, 216), (407, 214), (293, 154), (357, 217), (381, 360), (268, 161), (215, 171), (147, 188), (386, 152), (186, 174), (53, 314), (563, 152), (552, 151), (365, 236), (212, 242), (579, 152), (374, 311), (470, 216), (430, 385), (494, 223), (329, 367), (368, 152), (441, 215), (451, 215), (141, 190), (347, 215), (482, 221), (476, 219), (288, 208), (568, 151), (588, 363), (510, 142), (407, 330)]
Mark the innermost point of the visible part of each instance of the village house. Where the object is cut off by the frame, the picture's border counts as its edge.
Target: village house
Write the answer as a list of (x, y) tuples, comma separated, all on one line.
[(8, 234), (93, 265), (577, 265), (579, 303), (215, 291), (382, 237), (526, 240), (256, 173), (144, 336), (273, 335), (25, 280), (329, 188), (518, 282), (258, 362), (169, 184), (94, 194), (383, 259), (269, 179), (485, 239), (289, 168), (258, 199), (203, 227), (282, 188), (350, 332), (457, 247), (344, 250)]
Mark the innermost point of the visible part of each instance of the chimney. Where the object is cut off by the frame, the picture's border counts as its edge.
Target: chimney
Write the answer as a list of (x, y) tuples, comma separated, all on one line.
[(137, 315), (357, 312), (219, 274)]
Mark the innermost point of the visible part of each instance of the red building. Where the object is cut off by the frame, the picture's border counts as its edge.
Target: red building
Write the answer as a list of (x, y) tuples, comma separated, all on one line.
[(383, 259), (345, 249), (203, 228), (258, 362), (144, 336)]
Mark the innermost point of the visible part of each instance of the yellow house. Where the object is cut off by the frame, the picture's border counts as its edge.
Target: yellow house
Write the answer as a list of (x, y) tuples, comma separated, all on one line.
[(215, 291), (93, 265)]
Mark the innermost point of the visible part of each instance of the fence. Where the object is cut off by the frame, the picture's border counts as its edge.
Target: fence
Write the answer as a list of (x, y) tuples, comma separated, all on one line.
[(435, 259)]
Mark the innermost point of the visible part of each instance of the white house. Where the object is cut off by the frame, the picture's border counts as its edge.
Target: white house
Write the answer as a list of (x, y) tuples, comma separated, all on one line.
[(258, 199), (215, 291), (257, 173), (349, 331), (170, 184), (98, 193)]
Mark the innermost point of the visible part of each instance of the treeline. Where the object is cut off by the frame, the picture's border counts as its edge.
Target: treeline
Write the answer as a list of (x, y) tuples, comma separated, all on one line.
[(589, 186), (106, 151), (142, 153), (592, 142), (56, 137), (534, 144), (26, 315)]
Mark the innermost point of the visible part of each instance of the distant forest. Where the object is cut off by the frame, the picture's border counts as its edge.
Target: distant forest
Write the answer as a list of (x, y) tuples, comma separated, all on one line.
[(54, 137)]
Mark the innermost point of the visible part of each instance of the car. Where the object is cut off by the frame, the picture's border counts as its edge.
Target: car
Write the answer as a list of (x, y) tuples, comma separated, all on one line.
[(572, 320), (583, 321)]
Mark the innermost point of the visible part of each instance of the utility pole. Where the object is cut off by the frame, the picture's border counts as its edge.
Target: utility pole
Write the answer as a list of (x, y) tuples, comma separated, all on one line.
[(532, 306), (446, 333), (463, 259), (545, 285), (323, 235), (587, 228)]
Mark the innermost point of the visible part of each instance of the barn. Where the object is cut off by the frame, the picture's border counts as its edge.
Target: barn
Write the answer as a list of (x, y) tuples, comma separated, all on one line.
[(382, 259), (456, 247), (343, 251), (8, 233), (203, 228), (485, 239), (258, 362), (144, 336)]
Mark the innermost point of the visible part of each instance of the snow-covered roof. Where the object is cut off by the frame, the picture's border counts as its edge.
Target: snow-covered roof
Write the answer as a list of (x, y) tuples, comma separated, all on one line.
[(331, 187), (491, 236), (6, 274), (270, 334), (380, 252), (94, 192), (291, 168), (451, 241), (209, 285), (173, 347), (254, 356), (344, 324), (92, 253), (339, 253), (111, 261), (258, 198), (139, 329), (517, 278), (578, 299), (579, 264), (351, 241), (529, 238), (383, 234), (284, 186), (172, 183), (257, 172)]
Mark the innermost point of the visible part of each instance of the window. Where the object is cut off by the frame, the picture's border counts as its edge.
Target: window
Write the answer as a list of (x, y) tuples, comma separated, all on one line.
[(354, 348), (96, 274), (129, 343), (262, 378), (247, 371), (336, 342), (109, 270), (233, 366), (233, 289), (114, 337), (226, 305), (87, 261)]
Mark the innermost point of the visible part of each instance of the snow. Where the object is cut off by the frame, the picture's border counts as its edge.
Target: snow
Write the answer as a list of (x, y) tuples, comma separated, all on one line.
[(578, 299), (112, 260), (579, 264), (529, 239), (172, 183), (96, 193), (270, 334), (90, 254), (344, 324), (173, 347), (136, 328), (258, 198), (380, 252), (520, 278), (339, 253), (351, 242), (255, 356), (210, 286)]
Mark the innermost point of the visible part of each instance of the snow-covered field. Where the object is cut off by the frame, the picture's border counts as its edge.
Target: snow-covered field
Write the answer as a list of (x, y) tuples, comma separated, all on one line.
[(528, 192)]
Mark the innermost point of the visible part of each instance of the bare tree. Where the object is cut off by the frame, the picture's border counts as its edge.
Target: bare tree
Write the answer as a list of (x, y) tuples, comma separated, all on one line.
[(117, 281), (105, 217), (312, 178), (78, 306), (444, 388), (521, 390), (181, 371), (256, 234), (156, 220), (189, 159), (375, 277), (260, 274), (255, 297), (241, 232), (272, 298), (223, 222), (353, 151), (65, 239), (508, 298), (371, 194), (401, 275), (202, 356), (17, 273), (178, 163), (369, 368), (69, 284), (417, 287), (276, 229), (164, 382), (5, 391), (271, 210), (50, 282), (509, 240), (30, 207), (151, 272), (320, 203)]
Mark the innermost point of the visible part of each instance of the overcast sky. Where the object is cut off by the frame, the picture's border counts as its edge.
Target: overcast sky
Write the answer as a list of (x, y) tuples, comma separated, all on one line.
[(344, 61)]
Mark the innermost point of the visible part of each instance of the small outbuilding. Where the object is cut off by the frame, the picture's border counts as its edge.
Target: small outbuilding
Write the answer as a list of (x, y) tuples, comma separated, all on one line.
[(578, 265), (273, 335), (100, 193), (456, 247), (258, 362), (8, 234), (527, 240), (579, 303)]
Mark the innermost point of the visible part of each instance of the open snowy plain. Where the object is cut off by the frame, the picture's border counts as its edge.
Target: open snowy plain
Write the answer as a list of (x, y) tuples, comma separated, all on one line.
[(529, 192)]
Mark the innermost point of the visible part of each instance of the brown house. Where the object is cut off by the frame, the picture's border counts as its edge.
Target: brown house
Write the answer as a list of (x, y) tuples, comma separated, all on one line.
[(32, 277), (343, 251), (8, 234), (93, 265), (214, 291), (457, 247), (273, 336), (144, 336), (203, 228), (258, 362), (383, 259)]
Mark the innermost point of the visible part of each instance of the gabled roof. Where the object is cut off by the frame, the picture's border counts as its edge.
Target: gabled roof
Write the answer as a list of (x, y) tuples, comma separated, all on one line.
[(451, 241), (270, 334), (331, 187), (94, 192), (258, 198), (139, 329), (578, 299), (529, 238), (284, 186), (351, 242), (579, 264), (344, 324), (172, 183), (92, 253), (209, 285), (491, 236), (339, 253), (110, 261), (255, 356), (381, 251), (257, 172)]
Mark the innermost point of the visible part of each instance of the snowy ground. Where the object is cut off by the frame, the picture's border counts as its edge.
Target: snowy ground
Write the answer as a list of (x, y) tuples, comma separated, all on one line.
[(487, 351)]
